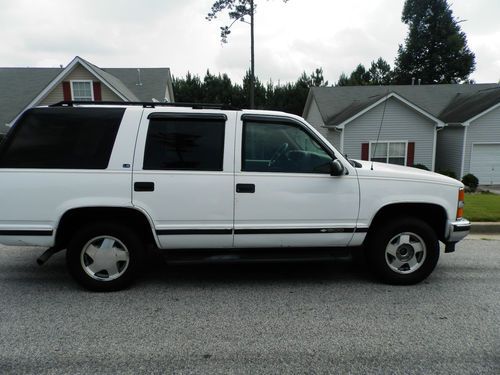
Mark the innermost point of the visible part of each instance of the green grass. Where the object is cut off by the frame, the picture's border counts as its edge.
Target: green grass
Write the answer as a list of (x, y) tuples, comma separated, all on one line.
[(482, 207)]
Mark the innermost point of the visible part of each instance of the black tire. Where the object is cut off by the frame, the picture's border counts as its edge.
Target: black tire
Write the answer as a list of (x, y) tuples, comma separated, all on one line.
[(127, 245), (403, 237)]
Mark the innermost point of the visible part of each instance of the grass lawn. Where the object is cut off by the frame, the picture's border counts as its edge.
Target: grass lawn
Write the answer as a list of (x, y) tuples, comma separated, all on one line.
[(482, 207)]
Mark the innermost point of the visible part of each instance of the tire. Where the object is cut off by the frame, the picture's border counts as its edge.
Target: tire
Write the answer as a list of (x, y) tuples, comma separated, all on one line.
[(404, 251), (104, 257)]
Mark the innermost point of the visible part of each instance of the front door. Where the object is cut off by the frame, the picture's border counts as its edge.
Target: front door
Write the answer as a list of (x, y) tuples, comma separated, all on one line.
[(285, 195), (183, 177)]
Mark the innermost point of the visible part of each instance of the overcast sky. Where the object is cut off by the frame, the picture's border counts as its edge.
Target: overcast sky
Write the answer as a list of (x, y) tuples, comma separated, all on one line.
[(290, 38)]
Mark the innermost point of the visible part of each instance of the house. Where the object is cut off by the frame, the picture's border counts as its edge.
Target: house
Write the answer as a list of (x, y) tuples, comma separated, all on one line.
[(446, 127), (22, 88)]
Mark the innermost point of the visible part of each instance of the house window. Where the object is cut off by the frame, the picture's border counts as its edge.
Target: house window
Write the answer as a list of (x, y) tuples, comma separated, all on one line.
[(82, 91), (388, 152)]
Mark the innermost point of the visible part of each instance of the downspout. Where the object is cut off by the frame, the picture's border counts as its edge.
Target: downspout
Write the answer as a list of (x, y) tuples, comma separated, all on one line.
[(466, 126)]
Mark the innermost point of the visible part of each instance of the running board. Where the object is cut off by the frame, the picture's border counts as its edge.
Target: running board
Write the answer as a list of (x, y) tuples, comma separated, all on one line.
[(254, 255)]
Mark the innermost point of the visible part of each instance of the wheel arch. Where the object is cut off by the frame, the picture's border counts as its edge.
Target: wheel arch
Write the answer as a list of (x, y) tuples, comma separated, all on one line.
[(431, 213), (74, 218)]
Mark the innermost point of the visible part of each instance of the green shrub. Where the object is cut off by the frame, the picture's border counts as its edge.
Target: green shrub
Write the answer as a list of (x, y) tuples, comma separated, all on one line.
[(421, 166), (448, 173), (470, 181)]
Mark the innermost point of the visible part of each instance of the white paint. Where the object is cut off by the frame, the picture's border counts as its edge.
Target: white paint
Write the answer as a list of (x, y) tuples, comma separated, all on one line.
[(195, 200), (485, 162)]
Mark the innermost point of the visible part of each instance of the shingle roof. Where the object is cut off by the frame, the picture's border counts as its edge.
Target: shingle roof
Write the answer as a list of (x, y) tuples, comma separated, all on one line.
[(19, 86), (337, 104), (154, 81), (466, 106)]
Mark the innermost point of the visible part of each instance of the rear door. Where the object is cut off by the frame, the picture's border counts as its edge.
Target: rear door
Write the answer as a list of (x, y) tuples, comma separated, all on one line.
[(183, 177)]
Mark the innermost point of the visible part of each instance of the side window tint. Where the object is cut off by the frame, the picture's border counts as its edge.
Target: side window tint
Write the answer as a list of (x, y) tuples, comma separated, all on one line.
[(273, 147), (184, 144), (62, 138)]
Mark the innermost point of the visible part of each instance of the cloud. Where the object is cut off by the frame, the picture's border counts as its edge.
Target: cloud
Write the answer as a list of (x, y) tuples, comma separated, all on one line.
[(290, 38)]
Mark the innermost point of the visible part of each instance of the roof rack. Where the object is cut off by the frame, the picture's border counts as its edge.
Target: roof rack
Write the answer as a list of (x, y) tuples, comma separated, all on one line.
[(71, 103)]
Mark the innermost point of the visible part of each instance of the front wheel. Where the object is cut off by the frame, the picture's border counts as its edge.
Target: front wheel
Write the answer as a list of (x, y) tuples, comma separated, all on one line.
[(104, 256), (404, 251)]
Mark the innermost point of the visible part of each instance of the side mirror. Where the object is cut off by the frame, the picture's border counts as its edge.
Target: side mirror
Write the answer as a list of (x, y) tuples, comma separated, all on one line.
[(336, 168)]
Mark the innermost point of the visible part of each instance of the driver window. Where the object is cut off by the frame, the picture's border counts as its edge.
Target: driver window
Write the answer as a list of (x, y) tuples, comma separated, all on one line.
[(274, 147)]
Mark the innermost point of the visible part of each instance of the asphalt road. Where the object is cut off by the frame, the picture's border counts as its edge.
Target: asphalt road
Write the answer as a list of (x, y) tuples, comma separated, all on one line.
[(273, 318)]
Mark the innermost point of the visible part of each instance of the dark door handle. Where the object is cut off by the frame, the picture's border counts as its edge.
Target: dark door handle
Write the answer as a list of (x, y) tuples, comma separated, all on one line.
[(144, 186), (245, 188)]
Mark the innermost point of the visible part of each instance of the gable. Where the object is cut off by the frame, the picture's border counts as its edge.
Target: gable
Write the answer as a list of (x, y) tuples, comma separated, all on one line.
[(22, 88), (355, 111), (78, 73)]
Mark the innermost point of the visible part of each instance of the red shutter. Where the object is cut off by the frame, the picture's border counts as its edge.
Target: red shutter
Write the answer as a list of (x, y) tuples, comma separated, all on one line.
[(364, 151), (96, 86), (410, 154), (66, 90)]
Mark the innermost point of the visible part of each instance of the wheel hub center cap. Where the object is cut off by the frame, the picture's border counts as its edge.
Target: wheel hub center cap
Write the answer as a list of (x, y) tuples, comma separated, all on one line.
[(405, 252)]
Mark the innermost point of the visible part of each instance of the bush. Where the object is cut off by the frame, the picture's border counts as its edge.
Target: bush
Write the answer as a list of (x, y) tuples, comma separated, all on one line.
[(448, 173), (420, 166), (470, 181)]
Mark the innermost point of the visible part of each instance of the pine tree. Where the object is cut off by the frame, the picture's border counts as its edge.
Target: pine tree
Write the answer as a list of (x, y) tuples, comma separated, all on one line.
[(435, 49)]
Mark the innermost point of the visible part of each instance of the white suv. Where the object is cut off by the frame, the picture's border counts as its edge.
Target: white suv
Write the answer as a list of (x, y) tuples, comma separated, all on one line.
[(104, 180)]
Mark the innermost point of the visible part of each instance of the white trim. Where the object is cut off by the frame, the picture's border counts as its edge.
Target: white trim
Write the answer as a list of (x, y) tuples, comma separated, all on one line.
[(388, 156), (82, 81), (438, 122), (485, 143), (463, 153), (482, 114), (100, 78), (434, 148), (342, 132)]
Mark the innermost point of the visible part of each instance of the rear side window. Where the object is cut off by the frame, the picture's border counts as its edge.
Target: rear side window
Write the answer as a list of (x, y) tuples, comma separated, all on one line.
[(62, 138), (185, 144)]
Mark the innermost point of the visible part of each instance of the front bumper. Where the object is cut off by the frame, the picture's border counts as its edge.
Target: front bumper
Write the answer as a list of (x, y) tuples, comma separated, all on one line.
[(457, 230)]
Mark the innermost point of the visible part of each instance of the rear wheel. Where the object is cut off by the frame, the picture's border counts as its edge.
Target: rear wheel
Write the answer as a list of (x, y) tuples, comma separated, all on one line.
[(104, 256), (404, 251)]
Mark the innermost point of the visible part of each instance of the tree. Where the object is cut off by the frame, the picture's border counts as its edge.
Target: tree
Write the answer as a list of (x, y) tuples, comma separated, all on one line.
[(238, 10), (290, 97), (380, 73), (435, 49)]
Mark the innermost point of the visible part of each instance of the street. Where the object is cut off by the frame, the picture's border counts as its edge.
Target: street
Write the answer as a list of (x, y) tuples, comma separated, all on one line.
[(253, 318)]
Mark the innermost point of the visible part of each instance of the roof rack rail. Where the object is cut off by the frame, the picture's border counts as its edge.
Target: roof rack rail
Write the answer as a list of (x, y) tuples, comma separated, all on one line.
[(71, 103)]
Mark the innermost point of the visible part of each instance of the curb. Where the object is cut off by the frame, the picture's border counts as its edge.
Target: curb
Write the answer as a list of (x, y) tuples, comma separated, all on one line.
[(485, 228)]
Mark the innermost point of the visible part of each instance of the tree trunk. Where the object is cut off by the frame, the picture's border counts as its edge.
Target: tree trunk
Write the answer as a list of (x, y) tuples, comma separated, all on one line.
[(252, 59)]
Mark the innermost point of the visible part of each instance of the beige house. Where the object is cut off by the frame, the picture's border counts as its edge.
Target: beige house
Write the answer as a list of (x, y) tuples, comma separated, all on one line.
[(23, 88)]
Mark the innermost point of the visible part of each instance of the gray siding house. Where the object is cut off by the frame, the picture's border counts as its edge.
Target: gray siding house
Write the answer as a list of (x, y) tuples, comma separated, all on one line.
[(23, 88), (444, 127)]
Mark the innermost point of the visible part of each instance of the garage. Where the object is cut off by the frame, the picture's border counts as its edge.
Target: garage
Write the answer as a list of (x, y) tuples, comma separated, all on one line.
[(485, 163)]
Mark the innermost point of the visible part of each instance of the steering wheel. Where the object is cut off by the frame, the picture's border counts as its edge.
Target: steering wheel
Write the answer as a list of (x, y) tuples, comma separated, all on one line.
[(278, 154)]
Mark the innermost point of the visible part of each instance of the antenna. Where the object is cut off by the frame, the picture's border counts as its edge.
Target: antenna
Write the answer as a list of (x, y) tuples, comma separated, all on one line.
[(380, 127)]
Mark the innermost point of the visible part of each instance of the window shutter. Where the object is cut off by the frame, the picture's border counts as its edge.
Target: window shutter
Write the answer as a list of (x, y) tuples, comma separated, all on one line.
[(410, 154), (364, 151), (66, 90), (96, 86)]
